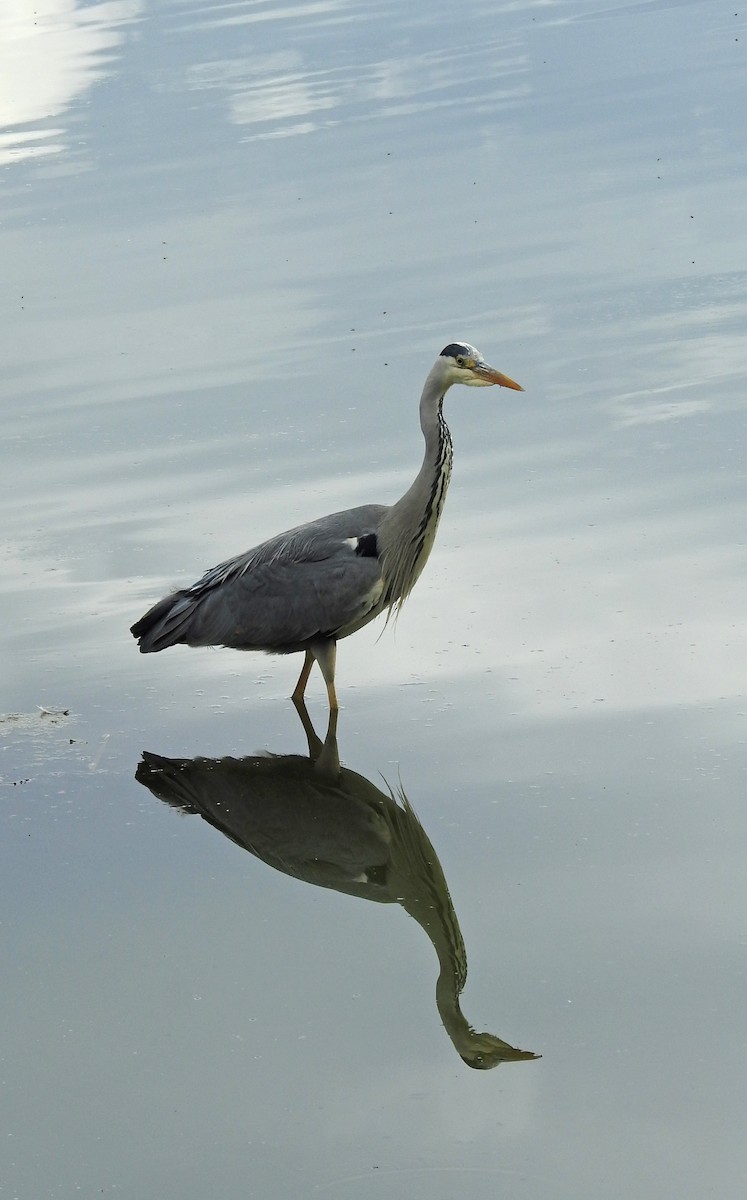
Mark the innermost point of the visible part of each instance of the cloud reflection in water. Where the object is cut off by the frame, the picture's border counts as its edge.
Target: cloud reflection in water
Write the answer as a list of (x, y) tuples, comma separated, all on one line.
[(283, 91), (51, 53)]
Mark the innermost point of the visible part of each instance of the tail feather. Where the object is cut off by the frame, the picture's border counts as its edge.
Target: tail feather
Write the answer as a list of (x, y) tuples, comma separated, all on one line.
[(164, 624)]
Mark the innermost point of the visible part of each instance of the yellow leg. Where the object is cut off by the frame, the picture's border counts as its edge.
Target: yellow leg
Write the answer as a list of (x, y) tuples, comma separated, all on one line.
[(325, 654), (303, 679)]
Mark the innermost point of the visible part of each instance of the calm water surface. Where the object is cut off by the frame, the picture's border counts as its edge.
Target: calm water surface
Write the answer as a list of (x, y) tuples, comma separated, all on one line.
[(234, 236)]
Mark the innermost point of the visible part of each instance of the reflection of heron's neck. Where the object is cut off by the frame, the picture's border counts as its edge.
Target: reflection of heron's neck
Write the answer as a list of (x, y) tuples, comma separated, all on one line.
[(432, 908), (447, 1002), (435, 914)]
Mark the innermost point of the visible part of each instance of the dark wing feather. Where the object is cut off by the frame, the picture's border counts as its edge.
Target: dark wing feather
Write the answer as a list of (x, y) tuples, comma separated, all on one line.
[(306, 583)]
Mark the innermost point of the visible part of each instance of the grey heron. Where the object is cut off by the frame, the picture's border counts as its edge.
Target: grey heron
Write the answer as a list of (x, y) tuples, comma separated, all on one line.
[(305, 589)]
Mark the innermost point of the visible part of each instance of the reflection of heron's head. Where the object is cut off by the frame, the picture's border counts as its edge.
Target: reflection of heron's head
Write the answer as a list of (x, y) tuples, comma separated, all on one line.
[(480, 1062), (486, 1051)]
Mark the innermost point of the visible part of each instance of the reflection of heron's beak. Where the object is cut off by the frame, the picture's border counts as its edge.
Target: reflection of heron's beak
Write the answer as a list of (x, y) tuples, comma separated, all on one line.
[(488, 374)]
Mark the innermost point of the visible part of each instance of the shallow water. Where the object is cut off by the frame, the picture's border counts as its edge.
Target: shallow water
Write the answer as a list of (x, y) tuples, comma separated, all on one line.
[(234, 238)]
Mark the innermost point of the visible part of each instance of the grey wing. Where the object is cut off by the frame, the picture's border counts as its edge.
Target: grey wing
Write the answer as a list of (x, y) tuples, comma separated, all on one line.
[(321, 579)]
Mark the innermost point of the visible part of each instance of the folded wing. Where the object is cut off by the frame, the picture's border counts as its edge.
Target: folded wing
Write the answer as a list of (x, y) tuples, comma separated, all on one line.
[(321, 579)]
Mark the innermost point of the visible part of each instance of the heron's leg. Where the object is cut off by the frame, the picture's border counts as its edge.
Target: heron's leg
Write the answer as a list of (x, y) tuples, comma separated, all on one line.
[(303, 679), (325, 653)]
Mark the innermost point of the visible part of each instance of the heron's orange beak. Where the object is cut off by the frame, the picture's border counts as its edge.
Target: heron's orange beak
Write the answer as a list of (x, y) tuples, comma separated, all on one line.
[(490, 375)]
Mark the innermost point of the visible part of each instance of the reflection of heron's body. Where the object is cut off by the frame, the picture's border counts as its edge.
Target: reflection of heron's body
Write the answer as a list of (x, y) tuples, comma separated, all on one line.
[(305, 589), (327, 825)]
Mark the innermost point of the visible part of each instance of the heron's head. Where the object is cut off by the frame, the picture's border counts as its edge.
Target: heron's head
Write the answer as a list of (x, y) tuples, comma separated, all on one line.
[(461, 363)]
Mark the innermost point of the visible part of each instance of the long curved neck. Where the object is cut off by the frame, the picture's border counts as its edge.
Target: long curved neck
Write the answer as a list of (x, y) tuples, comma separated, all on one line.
[(409, 528)]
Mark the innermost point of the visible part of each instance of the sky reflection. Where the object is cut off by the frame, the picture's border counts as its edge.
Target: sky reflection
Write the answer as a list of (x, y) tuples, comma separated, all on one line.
[(51, 54), (284, 89)]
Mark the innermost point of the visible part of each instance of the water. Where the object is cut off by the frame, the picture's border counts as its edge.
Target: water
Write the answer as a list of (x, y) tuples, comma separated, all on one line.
[(234, 237)]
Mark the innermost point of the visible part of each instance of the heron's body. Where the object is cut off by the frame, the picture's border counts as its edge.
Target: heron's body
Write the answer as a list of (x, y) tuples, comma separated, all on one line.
[(319, 580), (307, 588)]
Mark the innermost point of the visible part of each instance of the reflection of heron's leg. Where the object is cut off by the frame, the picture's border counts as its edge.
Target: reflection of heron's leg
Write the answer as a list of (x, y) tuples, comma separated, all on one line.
[(328, 762), (303, 679), (314, 741), (324, 755)]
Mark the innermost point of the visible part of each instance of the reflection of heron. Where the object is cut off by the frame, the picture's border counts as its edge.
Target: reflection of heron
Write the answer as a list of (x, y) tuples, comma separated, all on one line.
[(327, 825), (306, 588)]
